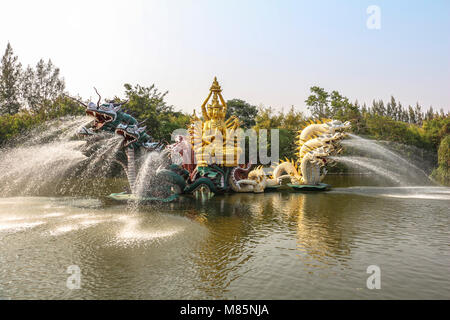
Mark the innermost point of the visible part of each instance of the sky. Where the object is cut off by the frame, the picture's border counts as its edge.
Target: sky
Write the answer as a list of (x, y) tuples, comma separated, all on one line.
[(265, 52)]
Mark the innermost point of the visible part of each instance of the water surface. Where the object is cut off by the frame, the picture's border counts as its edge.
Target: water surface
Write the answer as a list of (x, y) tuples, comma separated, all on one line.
[(241, 246)]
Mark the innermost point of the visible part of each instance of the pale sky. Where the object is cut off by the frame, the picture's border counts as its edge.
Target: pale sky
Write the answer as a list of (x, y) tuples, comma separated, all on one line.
[(265, 52)]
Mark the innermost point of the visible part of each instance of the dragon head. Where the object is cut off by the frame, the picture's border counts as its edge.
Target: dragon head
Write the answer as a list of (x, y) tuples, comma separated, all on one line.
[(319, 155), (331, 141), (130, 133), (259, 177), (102, 114), (136, 136), (337, 125)]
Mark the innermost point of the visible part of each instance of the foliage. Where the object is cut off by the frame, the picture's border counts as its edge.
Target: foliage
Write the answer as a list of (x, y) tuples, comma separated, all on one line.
[(287, 123), (245, 112), (34, 96), (41, 85), (442, 172), (318, 103), (436, 129), (147, 105), (10, 73), (13, 125), (444, 152)]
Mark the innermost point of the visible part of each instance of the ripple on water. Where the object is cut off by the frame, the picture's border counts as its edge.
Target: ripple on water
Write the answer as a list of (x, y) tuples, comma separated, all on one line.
[(415, 192), (19, 226), (135, 232), (76, 226), (285, 247)]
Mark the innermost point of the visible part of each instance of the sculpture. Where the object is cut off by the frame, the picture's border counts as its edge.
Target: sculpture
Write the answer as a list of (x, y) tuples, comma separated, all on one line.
[(214, 144), (315, 144), (110, 117), (214, 140)]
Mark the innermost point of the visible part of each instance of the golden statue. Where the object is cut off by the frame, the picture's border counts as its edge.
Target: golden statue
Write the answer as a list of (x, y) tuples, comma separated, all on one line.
[(215, 139)]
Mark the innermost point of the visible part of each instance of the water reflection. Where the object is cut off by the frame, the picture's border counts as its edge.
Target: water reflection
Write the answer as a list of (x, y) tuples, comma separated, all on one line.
[(241, 226), (249, 246)]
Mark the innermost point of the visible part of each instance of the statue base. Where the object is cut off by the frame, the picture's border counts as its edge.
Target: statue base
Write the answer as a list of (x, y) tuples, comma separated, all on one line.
[(272, 188), (308, 187)]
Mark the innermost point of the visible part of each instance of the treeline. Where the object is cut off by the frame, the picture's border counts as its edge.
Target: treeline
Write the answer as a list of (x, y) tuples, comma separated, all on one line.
[(383, 121), (391, 121), (429, 130), (33, 95), (30, 96)]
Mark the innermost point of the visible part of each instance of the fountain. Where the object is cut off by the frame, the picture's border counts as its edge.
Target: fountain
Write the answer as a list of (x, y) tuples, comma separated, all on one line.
[(205, 162), (208, 160), (381, 161)]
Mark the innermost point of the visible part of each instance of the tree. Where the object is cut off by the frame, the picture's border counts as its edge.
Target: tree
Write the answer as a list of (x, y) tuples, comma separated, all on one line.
[(293, 120), (418, 114), (42, 85), (442, 172), (317, 103), (266, 119), (391, 109), (429, 115), (147, 105), (364, 109), (412, 115), (245, 112), (10, 73)]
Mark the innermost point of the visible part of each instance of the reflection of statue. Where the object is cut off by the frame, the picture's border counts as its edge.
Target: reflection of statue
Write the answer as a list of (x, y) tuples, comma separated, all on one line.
[(214, 139)]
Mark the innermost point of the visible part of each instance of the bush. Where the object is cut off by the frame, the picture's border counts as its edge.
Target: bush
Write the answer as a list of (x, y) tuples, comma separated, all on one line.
[(442, 172), (14, 125)]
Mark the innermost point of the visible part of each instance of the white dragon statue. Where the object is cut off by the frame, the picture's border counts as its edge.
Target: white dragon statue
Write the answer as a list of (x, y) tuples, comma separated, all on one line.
[(316, 142)]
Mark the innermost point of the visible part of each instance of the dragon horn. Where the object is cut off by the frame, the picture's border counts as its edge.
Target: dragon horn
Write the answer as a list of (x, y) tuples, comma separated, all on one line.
[(99, 98)]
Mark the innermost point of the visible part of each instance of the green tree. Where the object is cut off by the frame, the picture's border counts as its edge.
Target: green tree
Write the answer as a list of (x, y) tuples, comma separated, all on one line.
[(147, 105), (267, 119), (418, 114), (318, 103), (442, 172), (245, 112), (10, 73), (436, 129), (41, 86), (287, 123), (293, 120)]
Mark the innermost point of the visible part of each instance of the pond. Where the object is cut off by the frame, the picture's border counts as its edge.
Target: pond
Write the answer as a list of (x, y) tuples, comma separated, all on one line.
[(277, 245)]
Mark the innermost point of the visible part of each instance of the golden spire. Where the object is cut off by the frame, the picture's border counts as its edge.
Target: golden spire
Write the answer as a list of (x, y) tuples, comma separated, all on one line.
[(215, 87), (217, 102), (215, 90)]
